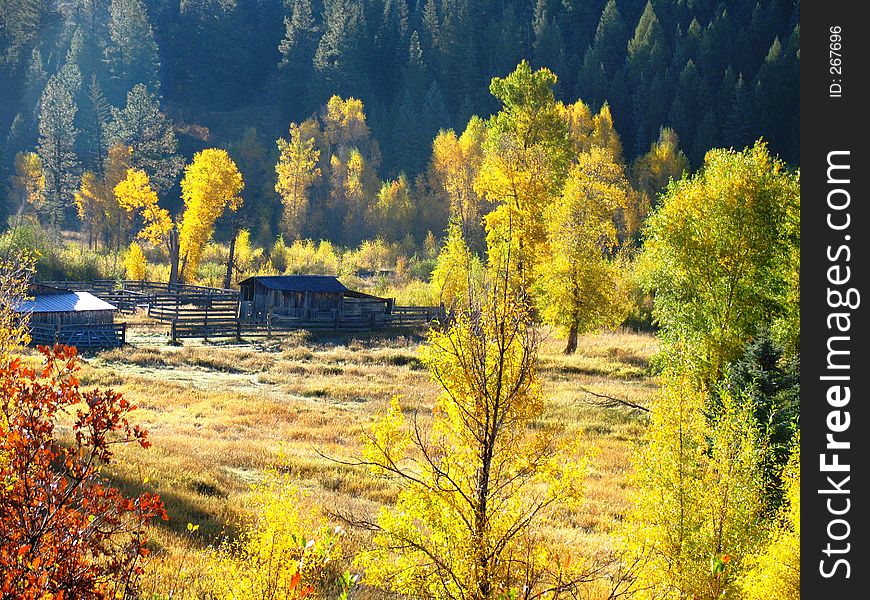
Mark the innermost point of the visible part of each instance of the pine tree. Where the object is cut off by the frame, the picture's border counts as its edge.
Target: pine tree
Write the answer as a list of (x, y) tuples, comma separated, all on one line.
[(737, 126), (610, 37), (431, 37), (57, 135), (99, 113), (142, 126), (297, 51), (337, 58), (132, 55)]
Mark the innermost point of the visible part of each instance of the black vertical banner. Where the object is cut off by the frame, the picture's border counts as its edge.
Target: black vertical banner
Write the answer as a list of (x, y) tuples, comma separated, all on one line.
[(835, 300)]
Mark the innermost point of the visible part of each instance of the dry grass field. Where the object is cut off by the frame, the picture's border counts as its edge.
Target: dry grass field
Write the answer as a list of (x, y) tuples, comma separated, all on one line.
[(219, 414)]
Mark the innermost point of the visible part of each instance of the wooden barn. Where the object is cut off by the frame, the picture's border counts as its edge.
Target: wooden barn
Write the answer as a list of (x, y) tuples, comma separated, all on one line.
[(78, 319), (308, 298)]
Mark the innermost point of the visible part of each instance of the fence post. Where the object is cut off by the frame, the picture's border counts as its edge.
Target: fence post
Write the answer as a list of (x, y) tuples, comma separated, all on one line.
[(269, 325), (238, 330), (172, 335)]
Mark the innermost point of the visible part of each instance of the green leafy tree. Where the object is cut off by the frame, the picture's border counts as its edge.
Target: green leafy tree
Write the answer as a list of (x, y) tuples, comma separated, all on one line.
[(722, 253)]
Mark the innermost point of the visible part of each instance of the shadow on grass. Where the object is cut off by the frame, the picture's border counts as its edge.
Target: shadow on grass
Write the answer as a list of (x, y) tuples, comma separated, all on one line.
[(212, 529)]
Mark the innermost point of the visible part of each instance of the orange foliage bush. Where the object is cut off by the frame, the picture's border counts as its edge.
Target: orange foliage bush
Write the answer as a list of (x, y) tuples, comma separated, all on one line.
[(65, 533)]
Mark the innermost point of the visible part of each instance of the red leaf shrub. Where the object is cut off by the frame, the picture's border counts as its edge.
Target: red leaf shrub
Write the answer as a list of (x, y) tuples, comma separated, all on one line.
[(64, 532)]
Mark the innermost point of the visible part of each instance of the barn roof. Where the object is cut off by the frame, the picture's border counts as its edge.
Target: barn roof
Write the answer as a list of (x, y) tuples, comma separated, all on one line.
[(63, 302), (299, 283)]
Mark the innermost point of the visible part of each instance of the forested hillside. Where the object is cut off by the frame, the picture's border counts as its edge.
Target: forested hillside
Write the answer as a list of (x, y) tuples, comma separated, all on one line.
[(234, 74)]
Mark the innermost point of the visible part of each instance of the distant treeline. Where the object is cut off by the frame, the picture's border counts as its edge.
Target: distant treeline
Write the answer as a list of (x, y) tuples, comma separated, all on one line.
[(719, 74)]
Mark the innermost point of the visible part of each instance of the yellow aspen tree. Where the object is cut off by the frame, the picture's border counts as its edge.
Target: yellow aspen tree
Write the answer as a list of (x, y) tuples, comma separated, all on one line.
[(580, 285), (473, 488), (90, 201), (134, 193), (135, 263), (357, 186), (664, 162), (16, 270), (345, 126), (28, 183), (775, 572), (455, 164), (391, 217), (650, 175), (297, 171), (96, 202), (211, 184), (457, 270), (526, 158), (604, 133), (578, 118), (696, 510)]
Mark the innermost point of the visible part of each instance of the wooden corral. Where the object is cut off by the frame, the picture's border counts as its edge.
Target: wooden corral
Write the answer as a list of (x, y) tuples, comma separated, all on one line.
[(77, 318), (265, 306)]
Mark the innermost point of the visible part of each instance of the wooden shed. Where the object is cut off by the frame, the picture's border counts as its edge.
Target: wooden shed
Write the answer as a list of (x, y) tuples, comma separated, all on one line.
[(72, 318), (307, 298)]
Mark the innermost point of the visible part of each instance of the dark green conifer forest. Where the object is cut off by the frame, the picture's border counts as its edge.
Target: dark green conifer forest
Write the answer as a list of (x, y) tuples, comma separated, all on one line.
[(234, 74)]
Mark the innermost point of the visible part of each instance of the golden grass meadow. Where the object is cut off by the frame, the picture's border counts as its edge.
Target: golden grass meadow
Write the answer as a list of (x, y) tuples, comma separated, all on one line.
[(220, 414)]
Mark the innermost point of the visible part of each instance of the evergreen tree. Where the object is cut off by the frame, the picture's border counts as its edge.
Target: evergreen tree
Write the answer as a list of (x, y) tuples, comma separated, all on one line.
[(57, 135), (610, 38), (98, 113), (142, 126), (297, 51), (34, 82), (132, 54), (337, 60), (411, 140), (431, 32), (736, 130)]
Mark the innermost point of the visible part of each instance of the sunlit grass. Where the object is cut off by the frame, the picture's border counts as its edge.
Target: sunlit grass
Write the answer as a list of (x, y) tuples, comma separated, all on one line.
[(220, 414)]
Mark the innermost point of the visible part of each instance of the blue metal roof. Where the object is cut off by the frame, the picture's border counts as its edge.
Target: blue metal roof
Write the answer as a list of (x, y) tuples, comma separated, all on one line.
[(299, 283), (63, 302)]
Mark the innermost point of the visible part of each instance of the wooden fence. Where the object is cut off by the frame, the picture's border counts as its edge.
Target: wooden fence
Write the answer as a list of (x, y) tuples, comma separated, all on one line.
[(170, 307), (82, 336), (192, 322), (202, 312)]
